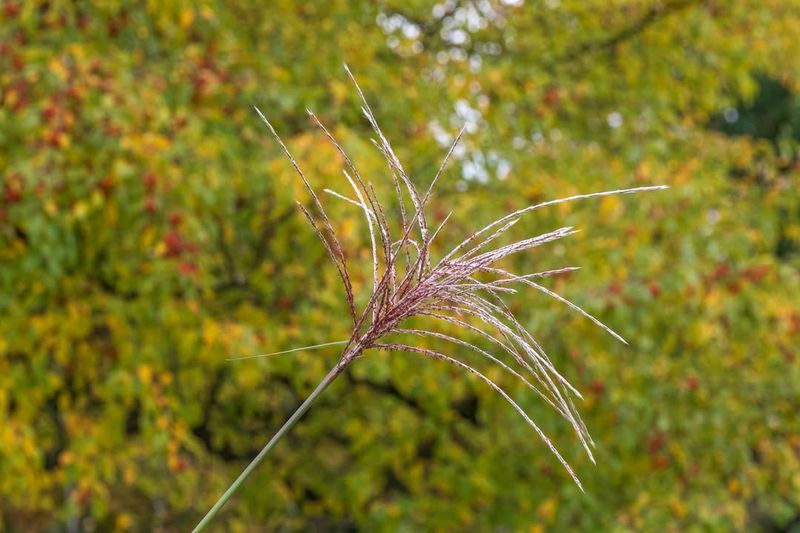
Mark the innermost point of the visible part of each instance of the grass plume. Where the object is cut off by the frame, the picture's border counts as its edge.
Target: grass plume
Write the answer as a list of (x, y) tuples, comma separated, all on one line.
[(408, 282)]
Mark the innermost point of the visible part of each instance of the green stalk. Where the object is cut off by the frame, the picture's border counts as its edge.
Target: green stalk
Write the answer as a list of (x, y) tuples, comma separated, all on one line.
[(327, 380)]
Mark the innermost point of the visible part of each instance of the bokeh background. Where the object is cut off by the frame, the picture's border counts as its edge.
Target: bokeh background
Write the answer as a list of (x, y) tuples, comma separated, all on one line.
[(148, 231)]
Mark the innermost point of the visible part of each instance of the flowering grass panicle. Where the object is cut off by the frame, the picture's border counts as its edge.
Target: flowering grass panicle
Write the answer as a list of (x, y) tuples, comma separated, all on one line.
[(464, 288)]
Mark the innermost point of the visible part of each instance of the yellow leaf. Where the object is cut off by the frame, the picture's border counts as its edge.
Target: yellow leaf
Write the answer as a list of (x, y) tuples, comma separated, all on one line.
[(609, 207), (145, 373), (186, 18), (210, 332), (677, 507), (129, 475), (207, 13), (57, 67), (124, 522), (80, 209), (547, 509)]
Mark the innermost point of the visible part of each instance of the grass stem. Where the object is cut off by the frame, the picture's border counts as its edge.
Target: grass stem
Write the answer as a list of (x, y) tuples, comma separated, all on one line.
[(327, 380)]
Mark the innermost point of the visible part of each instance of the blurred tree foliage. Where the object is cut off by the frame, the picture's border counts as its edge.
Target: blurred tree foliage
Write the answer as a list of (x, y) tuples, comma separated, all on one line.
[(147, 232)]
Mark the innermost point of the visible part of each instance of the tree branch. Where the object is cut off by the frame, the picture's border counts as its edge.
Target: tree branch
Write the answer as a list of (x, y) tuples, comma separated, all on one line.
[(657, 12)]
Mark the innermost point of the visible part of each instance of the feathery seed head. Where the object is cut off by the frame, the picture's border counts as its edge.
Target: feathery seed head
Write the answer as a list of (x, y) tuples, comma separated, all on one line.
[(408, 283)]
